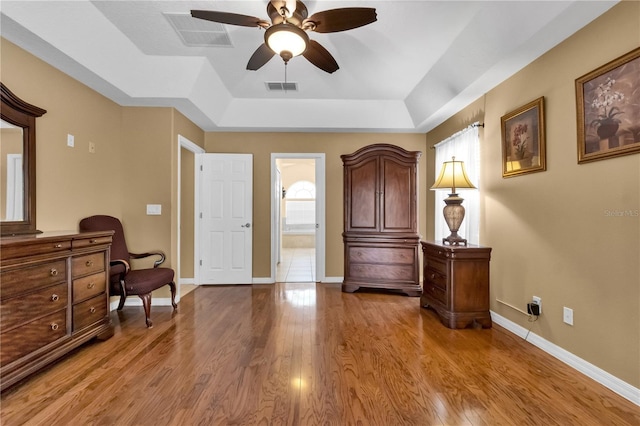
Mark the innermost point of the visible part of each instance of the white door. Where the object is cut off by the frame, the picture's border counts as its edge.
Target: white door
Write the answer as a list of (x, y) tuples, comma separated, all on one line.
[(226, 202)]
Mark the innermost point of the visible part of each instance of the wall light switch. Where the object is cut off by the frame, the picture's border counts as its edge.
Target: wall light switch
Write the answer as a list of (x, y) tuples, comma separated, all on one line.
[(154, 209), (92, 147), (70, 140)]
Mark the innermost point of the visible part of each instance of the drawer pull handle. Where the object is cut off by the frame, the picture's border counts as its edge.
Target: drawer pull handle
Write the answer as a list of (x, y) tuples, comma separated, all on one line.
[(55, 297), (53, 272), (92, 310), (89, 263), (93, 241), (91, 285), (54, 326), (57, 246)]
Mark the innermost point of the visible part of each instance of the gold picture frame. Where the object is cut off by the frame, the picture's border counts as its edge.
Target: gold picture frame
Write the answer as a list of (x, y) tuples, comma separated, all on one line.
[(608, 109), (523, 140)]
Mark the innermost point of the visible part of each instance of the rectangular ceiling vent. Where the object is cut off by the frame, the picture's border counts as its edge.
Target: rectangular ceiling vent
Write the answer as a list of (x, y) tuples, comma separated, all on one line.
[(280, 86), (198, 32)]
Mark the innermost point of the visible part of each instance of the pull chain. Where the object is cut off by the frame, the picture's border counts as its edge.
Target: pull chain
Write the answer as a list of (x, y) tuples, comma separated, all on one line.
[(285, 77)]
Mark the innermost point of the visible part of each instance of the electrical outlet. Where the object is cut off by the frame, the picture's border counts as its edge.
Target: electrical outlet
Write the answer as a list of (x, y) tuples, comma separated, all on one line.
[(538, 301), (70, 140), (567, 315)]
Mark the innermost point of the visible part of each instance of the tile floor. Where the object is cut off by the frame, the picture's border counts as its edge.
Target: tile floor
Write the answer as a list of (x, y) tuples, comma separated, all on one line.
[(297, 265)]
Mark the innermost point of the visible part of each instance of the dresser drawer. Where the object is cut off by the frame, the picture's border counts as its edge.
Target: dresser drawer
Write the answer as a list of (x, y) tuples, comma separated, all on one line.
[(89, 312), (32, 336), (90, 242), (89, 286), (24, 280), (22, 309), (34, 247), (89, 264)]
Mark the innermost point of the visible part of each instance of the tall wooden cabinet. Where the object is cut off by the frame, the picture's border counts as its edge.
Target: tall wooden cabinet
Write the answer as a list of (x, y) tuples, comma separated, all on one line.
[(381, 241), (54, 296)]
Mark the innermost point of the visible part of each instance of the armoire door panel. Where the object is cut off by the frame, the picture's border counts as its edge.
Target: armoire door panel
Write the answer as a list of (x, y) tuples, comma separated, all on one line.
[(397, 204), (364, 196)]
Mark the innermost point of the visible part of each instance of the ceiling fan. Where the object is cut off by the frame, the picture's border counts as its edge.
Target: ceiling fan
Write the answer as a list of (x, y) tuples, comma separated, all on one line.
[(286, 34)]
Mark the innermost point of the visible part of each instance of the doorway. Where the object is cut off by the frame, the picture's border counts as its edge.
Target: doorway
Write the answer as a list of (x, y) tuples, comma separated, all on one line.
[(297, 217)]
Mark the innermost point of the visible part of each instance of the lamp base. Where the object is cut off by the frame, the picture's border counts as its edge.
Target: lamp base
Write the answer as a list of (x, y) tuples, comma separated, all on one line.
[(454, 215), (454, 240)]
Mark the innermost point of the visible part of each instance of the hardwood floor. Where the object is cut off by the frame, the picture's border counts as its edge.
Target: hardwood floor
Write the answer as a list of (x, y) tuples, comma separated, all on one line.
[(307, 354)]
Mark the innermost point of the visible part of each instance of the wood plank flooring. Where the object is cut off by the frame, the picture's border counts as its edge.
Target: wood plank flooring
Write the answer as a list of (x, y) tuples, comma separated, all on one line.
[(307, 354)]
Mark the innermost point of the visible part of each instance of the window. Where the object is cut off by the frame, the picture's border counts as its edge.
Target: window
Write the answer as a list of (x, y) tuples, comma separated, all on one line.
[(465, 146), (300, 206)]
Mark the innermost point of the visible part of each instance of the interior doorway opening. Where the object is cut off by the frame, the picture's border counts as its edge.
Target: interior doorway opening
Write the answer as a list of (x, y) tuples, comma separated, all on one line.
[(298, 217)]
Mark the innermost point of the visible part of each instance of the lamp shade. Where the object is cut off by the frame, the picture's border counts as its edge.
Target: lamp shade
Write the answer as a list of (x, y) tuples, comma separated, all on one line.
[(286, 40), (453, 175)]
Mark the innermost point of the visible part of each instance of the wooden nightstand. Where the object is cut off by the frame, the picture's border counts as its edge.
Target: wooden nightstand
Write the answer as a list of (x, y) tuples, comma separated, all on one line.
[(456, 283)]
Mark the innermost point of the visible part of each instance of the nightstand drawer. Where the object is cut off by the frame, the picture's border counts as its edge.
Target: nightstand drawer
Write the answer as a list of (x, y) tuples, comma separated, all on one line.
[(437, 293), (436, 276)]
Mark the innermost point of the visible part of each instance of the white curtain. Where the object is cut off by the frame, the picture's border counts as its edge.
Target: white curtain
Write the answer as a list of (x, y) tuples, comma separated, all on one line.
[(465, 146)]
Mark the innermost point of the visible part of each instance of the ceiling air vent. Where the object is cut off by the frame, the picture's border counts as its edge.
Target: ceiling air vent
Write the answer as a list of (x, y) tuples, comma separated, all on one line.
[(280, 86), (198, 32)]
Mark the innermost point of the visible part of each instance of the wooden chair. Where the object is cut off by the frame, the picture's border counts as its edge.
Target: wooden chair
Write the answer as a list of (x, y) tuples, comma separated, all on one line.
[(124, 280)]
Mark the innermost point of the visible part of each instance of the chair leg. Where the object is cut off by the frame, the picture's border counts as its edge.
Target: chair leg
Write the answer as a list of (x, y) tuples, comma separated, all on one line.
[(172, 285), (146, 303), (123, 295)]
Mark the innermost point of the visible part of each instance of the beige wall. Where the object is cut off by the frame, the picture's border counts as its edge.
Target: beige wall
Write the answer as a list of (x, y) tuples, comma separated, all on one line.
[(549, 231), (261, 145)]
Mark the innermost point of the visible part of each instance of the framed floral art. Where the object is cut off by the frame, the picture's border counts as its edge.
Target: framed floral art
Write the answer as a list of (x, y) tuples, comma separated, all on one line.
[(523, 140), (608, 109)]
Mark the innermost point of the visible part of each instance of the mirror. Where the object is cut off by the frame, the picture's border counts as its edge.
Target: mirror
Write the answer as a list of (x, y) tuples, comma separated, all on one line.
[(18, 164)]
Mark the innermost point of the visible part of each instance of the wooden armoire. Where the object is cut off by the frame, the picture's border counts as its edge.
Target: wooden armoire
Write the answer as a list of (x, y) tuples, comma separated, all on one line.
[(381, 240)]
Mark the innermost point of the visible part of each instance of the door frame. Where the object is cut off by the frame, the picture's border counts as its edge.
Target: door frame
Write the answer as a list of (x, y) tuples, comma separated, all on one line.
[(320, 210), (189, 146)]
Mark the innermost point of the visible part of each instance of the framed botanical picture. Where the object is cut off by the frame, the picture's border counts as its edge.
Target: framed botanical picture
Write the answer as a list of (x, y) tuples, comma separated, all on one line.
[(608, 109), (523, 140)]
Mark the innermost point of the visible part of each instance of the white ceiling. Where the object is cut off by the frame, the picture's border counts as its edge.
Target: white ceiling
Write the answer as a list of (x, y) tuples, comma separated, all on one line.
[(418, 64)]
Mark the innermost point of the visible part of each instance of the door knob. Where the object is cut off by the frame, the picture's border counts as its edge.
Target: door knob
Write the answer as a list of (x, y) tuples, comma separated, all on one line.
[(247, 225)]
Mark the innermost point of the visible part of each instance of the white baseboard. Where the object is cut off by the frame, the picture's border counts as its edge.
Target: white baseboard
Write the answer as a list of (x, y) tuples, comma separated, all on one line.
[(333, 280), (620, 387), (136, 301), (265, 280), (182, 281)]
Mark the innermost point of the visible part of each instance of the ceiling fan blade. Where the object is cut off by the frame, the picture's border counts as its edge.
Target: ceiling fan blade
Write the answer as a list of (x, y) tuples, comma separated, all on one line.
[(347, 18), (230, 18), (320, 57), (260, 57)]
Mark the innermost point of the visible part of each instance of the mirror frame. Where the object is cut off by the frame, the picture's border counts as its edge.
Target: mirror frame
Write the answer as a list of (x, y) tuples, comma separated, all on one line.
[(22, 114)]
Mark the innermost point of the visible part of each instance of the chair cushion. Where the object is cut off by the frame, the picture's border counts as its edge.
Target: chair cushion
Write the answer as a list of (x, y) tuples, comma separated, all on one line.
[(143, 281)]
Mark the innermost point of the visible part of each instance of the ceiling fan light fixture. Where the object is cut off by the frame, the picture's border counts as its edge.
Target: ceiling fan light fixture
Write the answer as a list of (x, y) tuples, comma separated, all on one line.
[(286, 40)]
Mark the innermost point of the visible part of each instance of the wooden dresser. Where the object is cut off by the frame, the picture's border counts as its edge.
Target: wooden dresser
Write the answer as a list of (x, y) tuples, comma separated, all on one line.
[(456, 283), (54, 296), (381, 240)]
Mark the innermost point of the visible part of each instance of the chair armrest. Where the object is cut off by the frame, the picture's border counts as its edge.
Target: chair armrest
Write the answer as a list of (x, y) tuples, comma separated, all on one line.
[(151, 253), (122, 262)]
